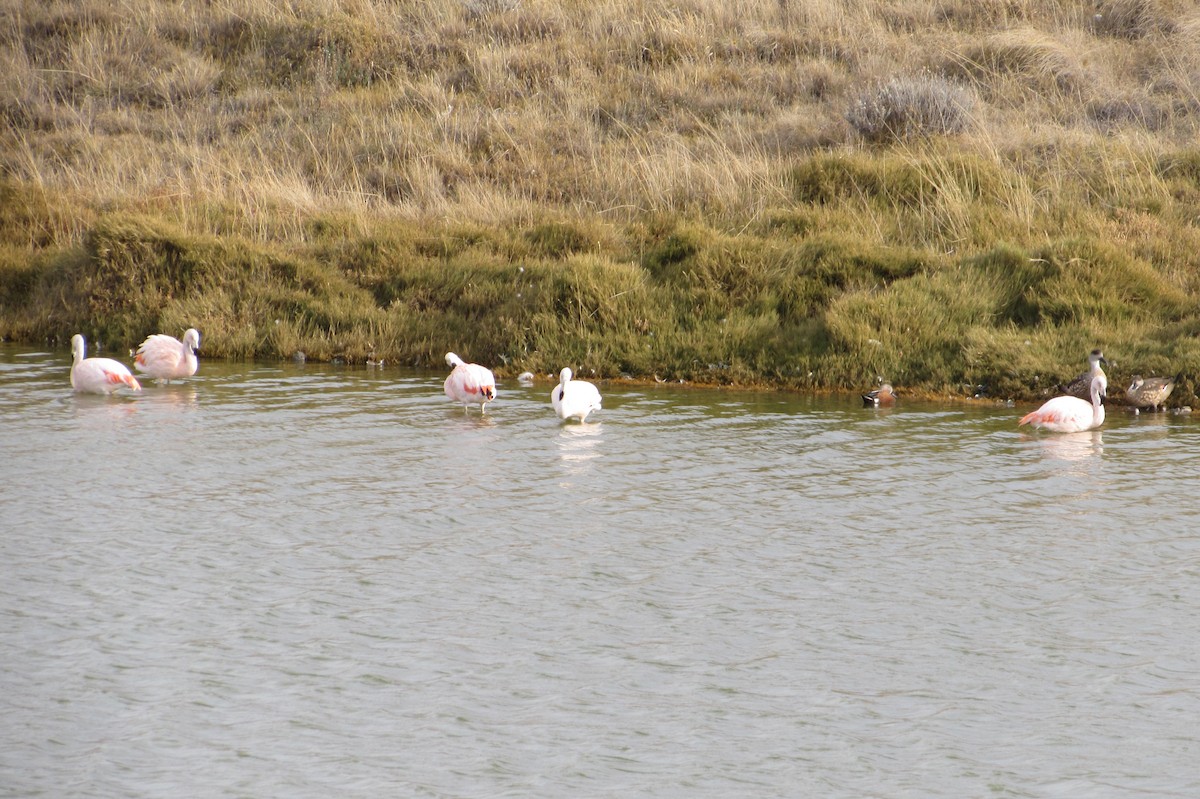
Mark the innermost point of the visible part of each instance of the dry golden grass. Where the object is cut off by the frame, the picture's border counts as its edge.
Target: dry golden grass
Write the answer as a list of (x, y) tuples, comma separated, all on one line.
[(492, 109), (787, 152)]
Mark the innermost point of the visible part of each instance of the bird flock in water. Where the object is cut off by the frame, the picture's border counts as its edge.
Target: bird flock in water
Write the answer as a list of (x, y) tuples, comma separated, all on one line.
[(166, 358), (1081, 406)]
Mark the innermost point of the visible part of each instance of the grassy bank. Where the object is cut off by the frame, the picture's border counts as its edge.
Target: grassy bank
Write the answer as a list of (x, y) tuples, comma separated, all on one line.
[(946, 194)]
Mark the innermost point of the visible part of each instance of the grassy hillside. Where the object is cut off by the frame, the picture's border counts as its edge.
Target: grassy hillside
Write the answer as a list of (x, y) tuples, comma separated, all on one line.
[(948, 193)]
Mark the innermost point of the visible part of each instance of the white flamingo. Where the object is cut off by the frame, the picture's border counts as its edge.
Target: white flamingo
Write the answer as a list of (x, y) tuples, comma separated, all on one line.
[(469, 383), (574, 398), (1068, 414), (98, 375), (167, 358)]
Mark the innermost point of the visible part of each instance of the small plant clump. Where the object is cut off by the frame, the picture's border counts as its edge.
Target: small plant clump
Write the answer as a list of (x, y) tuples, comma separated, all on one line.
[(905, 108)]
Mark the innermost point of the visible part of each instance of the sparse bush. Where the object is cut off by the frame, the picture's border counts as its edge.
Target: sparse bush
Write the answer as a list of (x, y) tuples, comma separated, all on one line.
[(905, 108)]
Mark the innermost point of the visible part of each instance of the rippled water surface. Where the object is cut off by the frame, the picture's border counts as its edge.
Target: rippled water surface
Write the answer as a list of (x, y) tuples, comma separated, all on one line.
[(281, 581)]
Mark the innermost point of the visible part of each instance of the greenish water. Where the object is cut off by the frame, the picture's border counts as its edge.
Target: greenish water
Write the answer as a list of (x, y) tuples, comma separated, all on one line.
[(312, 581)]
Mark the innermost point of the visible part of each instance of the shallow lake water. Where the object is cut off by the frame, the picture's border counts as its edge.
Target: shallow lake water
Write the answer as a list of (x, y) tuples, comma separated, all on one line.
[(313, 581)]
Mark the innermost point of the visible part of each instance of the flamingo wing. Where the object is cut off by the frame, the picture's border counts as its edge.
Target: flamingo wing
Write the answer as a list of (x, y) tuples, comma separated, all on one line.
[(454, 386), (483, 380)]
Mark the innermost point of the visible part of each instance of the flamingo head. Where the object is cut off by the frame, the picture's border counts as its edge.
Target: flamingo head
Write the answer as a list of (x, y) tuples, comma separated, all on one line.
[(453, 360), (565, 375), (191, 339)]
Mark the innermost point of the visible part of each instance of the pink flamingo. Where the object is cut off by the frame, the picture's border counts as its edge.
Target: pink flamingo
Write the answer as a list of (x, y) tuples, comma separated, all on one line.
[(167, 358), (469, 383), (1069, 414), (574, 398), (98, 375)]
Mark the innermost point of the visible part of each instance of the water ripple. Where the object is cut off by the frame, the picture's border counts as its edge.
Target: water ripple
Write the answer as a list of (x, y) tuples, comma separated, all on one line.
[(312, 581)]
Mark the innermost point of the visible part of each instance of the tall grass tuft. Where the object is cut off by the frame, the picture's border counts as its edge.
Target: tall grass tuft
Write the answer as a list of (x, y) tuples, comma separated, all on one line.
[(905, 108)]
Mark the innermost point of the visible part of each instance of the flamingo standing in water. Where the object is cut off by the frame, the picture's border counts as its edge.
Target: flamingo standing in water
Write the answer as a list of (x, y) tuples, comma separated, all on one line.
[(167, 358), (1069, 414), (574, 398), (98, 375), (469, 383)]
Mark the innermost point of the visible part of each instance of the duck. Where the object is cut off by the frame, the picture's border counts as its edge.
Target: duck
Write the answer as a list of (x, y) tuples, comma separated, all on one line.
[(1081, 385), (1149, 392), (166, 358), (469, 383), (1069, 414), (881, 397), (98, 375), (574, 398)]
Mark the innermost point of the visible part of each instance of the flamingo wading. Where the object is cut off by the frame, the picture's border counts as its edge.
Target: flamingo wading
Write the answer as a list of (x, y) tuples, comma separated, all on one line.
[(574, 398), (469, 383), (98, 375), (1069, 414), (166, 358)]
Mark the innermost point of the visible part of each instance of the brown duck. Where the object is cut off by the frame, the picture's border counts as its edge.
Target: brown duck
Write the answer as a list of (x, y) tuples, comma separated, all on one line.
[(1149, 392)]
